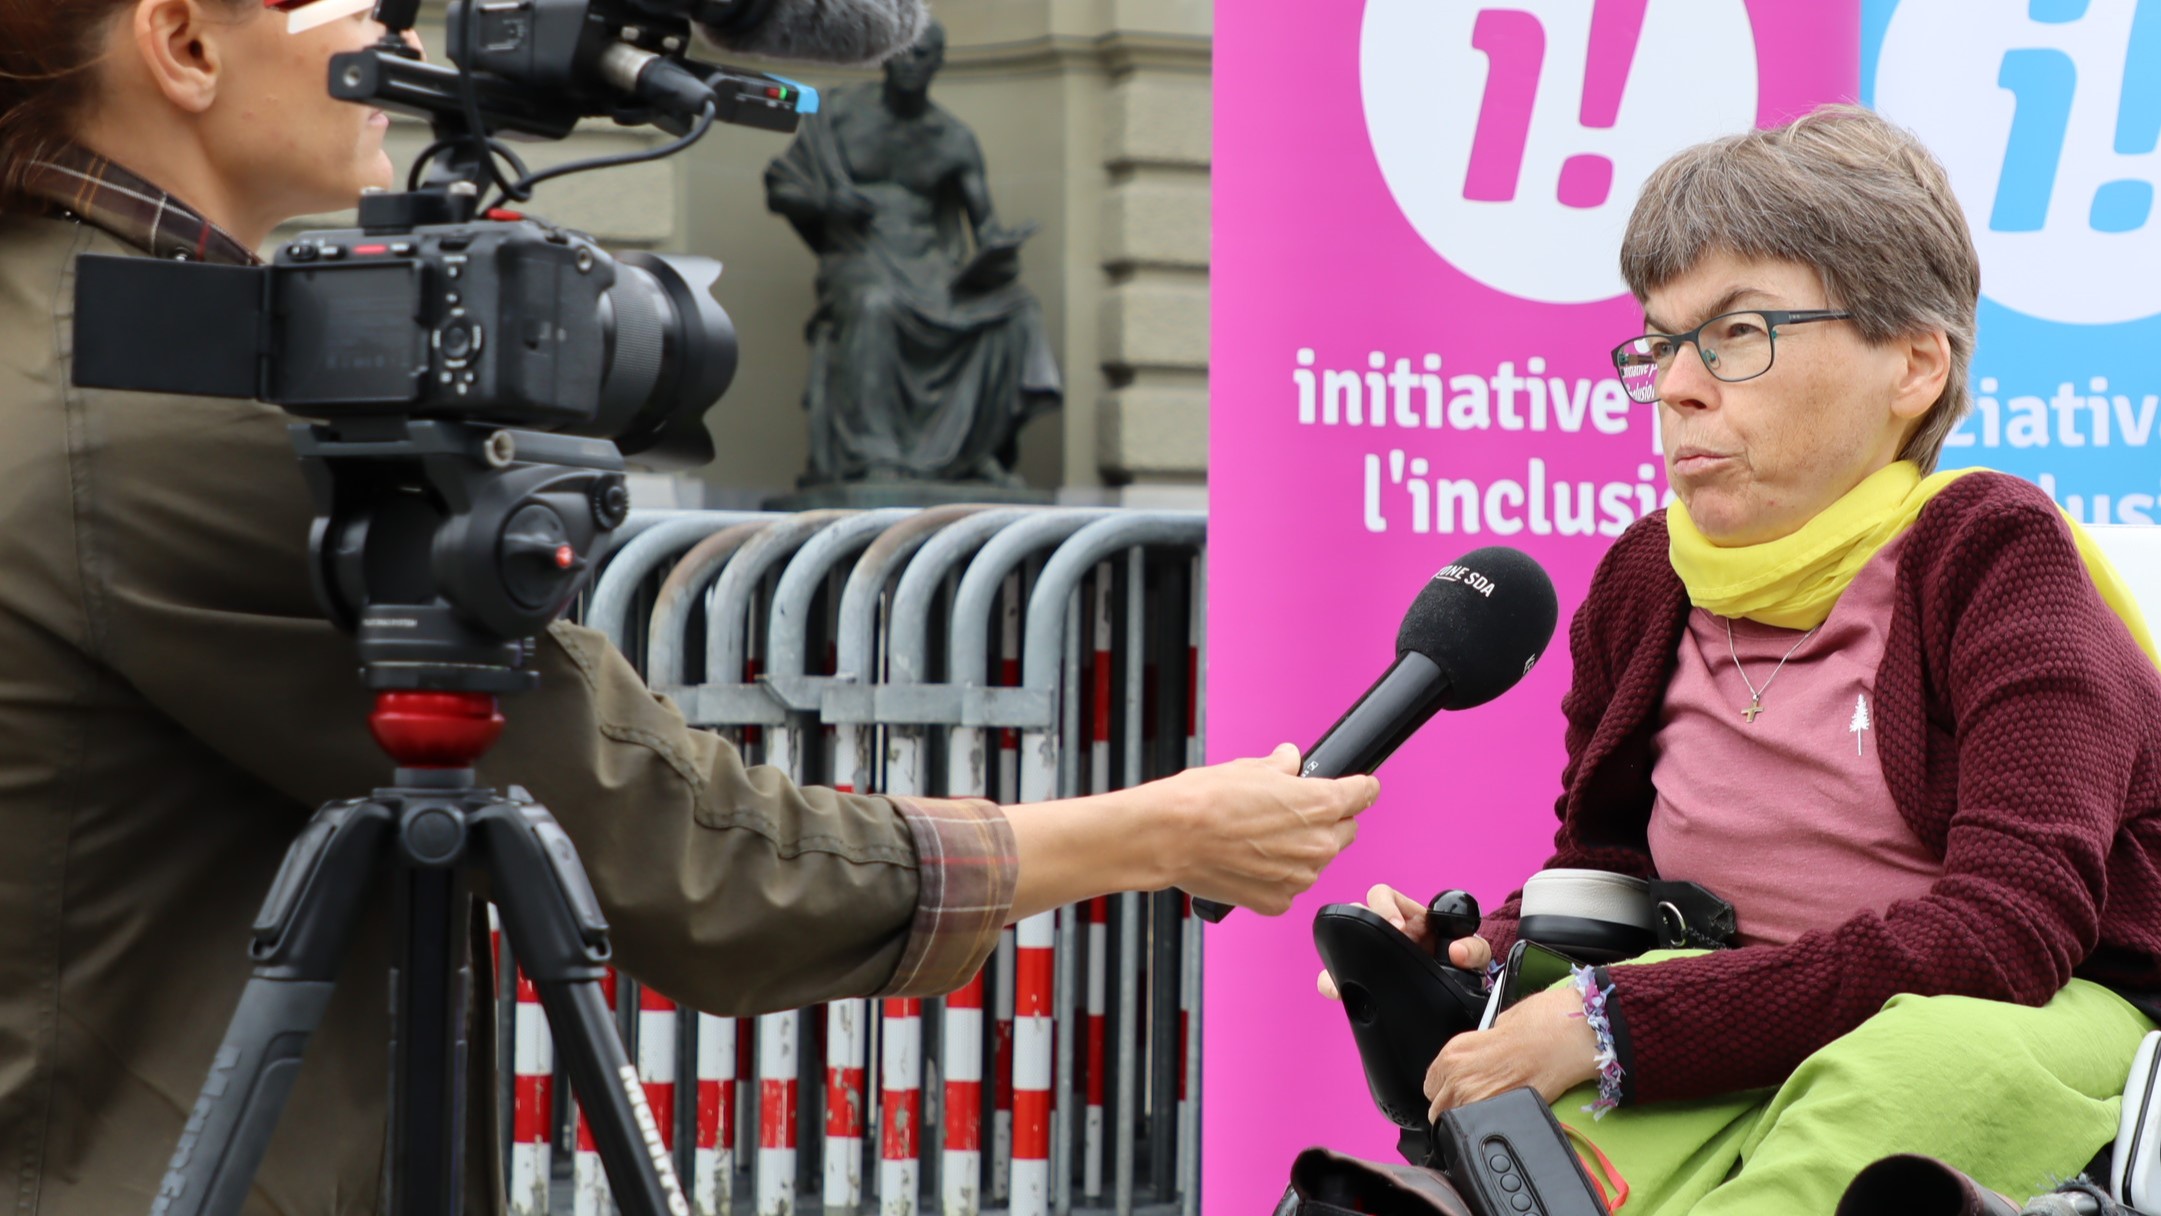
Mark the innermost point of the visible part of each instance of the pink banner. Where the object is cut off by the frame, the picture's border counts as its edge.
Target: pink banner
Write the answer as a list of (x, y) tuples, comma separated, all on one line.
[(1417, 211)]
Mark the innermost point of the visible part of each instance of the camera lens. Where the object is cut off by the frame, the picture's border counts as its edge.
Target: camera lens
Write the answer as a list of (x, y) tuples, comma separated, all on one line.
[(670, 355)]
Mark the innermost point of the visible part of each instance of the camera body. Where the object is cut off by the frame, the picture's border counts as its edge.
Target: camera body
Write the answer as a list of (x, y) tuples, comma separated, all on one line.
[(496, 322), (505, 321)]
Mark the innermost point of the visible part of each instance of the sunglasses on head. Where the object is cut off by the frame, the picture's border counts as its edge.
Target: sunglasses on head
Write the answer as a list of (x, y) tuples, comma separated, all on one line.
[(304, 15)]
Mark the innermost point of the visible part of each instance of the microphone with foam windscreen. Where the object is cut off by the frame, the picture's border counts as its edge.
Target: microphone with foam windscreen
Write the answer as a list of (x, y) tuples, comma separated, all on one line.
[(1477, 628), (819, 31)]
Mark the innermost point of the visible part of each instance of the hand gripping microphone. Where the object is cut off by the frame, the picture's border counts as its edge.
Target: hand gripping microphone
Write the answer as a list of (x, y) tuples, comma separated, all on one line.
[(1479, 626)]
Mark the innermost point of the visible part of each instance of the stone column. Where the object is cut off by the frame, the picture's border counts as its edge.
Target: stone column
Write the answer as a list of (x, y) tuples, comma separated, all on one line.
[(1151, 426)]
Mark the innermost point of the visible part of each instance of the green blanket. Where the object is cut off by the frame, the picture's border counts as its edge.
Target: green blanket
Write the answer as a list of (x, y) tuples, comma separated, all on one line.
[(2020, 1098)]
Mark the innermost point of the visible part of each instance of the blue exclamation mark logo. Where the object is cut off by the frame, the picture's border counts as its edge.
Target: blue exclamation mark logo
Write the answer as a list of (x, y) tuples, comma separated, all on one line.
[(2042, 83), (2125, 206)]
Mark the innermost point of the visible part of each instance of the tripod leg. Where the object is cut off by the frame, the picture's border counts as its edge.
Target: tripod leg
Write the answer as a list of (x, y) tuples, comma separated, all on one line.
[(553, 921), (300, 935), (429, 1069)]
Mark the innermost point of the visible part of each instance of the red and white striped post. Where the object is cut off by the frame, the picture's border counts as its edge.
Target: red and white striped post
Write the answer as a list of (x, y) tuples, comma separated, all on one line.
[(846, 1049), (1099, 689), (850, 760), (1098, 1062), (1009, 677), (837, 760), (657, 1019), (1001, 1115), (1099, 779), (589, 1193), (901, 1072), (961, 1171), (746, 1089), (776, 1114), (753, 735), (1032, 1065), (1001, 1130), (712, 1183), (532, 1119)]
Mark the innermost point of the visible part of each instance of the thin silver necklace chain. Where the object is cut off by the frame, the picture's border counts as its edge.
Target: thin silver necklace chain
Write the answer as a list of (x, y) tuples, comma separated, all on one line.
[(1755, 694)]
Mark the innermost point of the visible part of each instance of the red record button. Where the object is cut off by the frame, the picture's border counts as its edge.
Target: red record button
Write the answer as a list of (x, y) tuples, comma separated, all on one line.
[(366, 250)]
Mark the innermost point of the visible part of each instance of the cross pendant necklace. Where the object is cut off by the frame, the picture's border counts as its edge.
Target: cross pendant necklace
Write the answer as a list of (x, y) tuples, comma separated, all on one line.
[(1755, 694)]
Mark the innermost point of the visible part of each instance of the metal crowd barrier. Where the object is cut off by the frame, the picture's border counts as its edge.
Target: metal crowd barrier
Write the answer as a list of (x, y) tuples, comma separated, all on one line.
[(1019, 654)]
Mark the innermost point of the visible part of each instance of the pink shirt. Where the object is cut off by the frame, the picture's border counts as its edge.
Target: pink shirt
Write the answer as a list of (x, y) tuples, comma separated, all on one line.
[(1787, 817)]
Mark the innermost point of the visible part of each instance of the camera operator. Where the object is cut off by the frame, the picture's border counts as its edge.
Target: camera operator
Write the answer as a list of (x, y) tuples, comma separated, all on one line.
[(173, 704)]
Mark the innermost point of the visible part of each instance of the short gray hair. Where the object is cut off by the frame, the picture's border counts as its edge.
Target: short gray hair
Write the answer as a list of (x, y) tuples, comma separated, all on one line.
[(1850, 196)]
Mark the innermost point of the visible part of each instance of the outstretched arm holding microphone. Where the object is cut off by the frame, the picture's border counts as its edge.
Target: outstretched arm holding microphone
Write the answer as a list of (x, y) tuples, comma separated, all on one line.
[(1250, 832), (1476, 629)]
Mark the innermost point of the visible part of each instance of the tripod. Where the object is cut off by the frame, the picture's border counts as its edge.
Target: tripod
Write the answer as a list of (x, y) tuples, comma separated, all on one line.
[(444, 546)]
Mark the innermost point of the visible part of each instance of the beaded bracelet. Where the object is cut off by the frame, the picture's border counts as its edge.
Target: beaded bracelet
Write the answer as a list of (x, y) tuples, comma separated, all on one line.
[(1608, 1060)]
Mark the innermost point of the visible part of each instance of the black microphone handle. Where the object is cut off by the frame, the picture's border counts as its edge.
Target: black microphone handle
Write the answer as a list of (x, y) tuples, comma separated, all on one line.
[(1400, 702)]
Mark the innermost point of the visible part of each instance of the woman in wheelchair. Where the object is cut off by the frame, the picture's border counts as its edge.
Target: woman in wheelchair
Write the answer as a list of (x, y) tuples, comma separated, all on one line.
[(1907, 722)]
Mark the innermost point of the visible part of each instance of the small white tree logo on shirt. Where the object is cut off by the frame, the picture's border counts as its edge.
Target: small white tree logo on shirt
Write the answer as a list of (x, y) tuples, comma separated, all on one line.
[(1859, 723)]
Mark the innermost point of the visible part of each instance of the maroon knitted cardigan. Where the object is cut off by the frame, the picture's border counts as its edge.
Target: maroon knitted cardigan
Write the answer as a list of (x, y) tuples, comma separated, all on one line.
[(2020, 733)]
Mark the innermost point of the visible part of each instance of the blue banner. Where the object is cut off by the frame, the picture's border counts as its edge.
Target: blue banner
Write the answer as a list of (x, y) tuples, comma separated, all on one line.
[(2047, 113)]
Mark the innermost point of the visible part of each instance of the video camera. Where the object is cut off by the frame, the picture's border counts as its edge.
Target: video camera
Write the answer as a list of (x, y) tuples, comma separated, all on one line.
[(435, 307), (510, 321), (431, 344)]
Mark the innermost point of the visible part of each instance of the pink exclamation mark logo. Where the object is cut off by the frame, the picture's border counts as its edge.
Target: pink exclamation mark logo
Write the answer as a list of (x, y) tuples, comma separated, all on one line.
[(1587, 178), (1514, 44)]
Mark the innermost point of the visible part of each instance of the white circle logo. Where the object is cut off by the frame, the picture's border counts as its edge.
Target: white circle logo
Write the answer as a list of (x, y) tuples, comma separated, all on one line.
[(2050, 147), (1516, 153)]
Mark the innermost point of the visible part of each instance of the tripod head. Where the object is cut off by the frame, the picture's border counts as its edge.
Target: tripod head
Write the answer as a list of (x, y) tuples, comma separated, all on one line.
[(444, 546)]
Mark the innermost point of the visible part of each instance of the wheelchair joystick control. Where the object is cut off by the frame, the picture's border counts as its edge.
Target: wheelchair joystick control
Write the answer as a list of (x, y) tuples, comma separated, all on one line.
[(1403, 1000), (1452, 914)]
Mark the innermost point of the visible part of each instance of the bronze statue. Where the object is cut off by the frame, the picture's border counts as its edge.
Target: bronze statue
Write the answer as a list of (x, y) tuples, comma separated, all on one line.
[(927, 355)]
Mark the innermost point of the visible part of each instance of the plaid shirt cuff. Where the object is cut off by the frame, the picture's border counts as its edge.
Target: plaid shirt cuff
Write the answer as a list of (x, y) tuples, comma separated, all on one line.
[(968, 865)]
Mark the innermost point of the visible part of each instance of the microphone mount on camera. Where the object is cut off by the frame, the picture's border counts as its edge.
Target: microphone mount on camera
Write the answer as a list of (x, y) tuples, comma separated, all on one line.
[(535, 69)]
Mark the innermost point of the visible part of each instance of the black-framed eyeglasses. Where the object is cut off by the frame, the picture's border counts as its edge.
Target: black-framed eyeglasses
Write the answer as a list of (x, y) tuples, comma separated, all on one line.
[(1734, 346)]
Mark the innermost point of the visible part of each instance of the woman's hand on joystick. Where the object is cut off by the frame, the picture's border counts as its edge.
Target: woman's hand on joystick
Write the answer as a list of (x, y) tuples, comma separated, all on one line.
[(1452, 916), (1421, 923)]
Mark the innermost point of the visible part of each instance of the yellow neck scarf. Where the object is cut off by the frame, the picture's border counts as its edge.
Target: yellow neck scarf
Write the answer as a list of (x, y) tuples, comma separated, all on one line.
[(1792, 582)]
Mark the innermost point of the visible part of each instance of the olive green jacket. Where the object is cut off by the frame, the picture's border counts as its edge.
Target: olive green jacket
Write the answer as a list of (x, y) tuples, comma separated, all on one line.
[(173, 706)]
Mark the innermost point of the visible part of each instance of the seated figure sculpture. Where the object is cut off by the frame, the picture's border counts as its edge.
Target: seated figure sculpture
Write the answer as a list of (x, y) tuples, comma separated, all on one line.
[(927, 355)]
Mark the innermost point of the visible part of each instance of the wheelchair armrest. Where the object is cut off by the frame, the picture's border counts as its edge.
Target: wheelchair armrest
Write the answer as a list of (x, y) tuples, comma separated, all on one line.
[(2135, 1172)]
